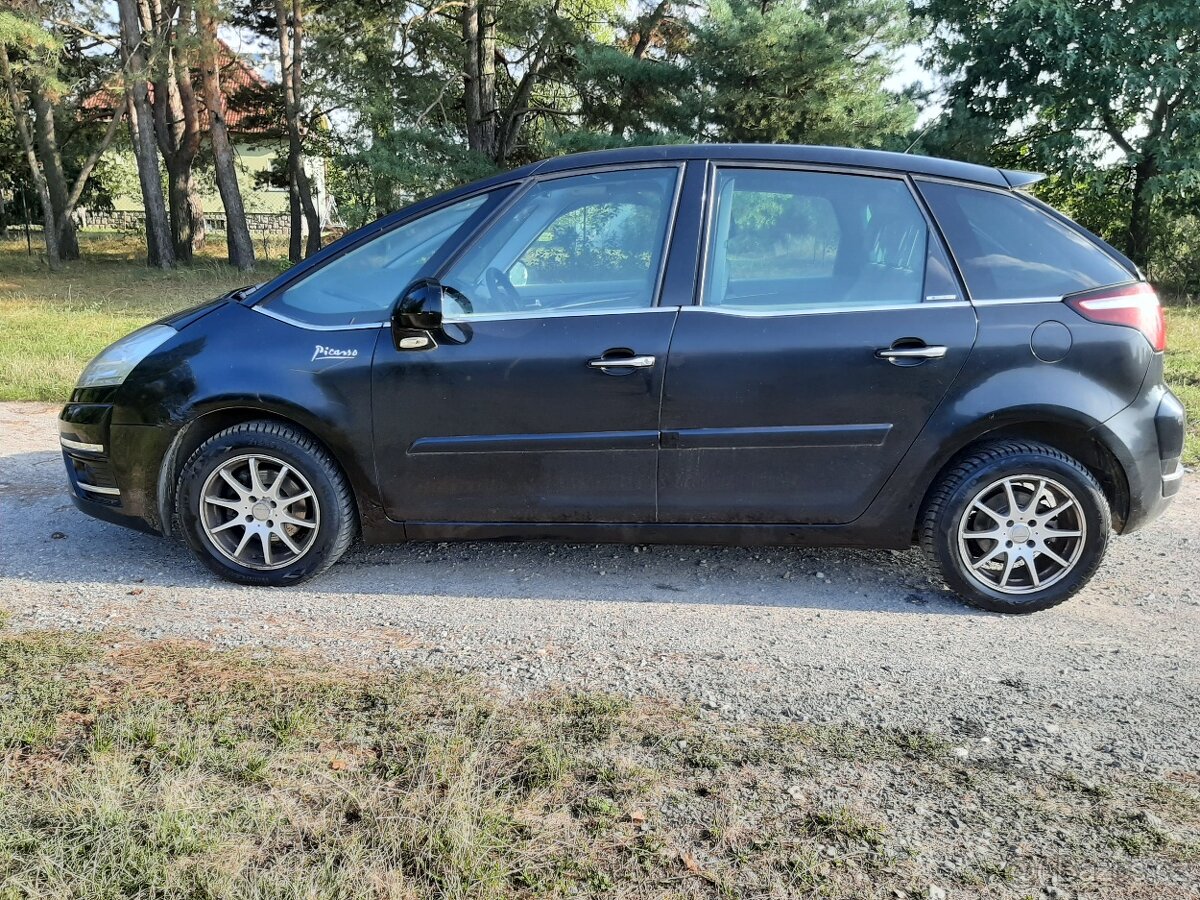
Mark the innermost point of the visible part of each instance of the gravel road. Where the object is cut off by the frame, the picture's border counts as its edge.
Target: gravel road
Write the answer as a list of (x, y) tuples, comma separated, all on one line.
[(1111, 679)]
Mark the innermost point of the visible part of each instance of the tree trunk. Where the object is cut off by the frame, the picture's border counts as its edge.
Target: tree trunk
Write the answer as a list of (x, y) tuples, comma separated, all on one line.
[(239, 245), (50, 156), (479, 76), (159, 248), (20, 119), (3, 217), (295, 221), (291, 41), (1140, 227), (177, 124)]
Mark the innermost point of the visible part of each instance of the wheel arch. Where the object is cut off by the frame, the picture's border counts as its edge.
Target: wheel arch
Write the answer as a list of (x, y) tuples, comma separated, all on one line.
[(207, 423), (1072, 436)]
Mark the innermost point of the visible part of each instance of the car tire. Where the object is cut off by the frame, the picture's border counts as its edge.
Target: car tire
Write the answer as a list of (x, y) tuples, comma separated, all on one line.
[(262, 503), (1050, 520)]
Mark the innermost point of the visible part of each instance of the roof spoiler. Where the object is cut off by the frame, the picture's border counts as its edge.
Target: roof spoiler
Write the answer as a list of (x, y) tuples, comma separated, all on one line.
[(1018, 179)]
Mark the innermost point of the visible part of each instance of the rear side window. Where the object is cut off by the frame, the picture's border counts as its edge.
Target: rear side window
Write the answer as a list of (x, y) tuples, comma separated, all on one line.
[(792, 240), (1008, 249)]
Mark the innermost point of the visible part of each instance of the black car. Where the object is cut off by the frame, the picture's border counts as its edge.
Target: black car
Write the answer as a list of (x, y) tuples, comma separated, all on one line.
[(704, 344)]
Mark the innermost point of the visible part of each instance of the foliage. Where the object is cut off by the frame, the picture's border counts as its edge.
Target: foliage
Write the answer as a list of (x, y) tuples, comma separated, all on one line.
[(1072, 84)]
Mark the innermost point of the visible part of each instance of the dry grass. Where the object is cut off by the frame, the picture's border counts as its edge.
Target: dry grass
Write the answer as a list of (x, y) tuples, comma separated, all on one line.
[(169, 770)]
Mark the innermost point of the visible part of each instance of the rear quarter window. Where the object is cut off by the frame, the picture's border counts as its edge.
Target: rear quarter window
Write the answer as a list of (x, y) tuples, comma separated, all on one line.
[(1008, 249)]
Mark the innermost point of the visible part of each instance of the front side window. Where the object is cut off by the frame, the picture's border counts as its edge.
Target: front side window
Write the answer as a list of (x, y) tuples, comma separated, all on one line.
[(359, 287), (1008, 249), (785, 240), (579, 243)]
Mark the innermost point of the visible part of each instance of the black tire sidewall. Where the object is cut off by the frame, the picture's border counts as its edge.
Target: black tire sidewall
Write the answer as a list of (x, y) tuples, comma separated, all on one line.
[(1030, 462), (314, 468)]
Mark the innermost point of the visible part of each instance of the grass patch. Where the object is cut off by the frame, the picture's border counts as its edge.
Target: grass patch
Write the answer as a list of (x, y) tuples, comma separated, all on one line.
[(170, 770), (1183, 370), (54, 323)]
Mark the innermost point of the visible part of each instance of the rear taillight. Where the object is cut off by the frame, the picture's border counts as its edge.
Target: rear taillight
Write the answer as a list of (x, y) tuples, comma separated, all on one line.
[(1133, 305)]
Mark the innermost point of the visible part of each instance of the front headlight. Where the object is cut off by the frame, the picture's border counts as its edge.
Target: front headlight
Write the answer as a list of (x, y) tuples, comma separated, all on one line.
[(113, 364)]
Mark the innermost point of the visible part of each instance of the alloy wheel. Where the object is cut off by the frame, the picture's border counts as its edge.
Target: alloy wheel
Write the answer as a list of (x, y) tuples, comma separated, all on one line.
[(259, 512), (1021, 534)]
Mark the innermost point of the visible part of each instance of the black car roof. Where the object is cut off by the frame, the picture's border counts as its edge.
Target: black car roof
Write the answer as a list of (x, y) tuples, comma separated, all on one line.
[(798, 153)]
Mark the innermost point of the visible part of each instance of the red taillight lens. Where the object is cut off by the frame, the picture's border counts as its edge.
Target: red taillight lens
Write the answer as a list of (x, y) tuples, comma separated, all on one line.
[(1134, 305)]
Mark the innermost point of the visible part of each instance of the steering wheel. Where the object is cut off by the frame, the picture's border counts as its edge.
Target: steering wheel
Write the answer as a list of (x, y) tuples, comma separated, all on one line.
[(500, 287)]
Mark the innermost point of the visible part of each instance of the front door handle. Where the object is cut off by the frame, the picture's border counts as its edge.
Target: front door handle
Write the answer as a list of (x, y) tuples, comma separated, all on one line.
[(902, 353), (622, 362)]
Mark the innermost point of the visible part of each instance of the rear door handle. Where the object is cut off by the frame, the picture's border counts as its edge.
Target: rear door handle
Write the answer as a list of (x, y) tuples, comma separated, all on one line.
[(622, 362), (891, 353)]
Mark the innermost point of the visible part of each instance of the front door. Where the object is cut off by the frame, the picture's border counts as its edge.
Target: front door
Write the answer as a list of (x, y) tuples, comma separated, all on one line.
[(540, 402), (829, 329)]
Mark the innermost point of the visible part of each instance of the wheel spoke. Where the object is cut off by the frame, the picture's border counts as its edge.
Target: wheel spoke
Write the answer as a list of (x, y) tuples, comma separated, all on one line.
[(1009, 564), (234, 483), (1037, 495), (1053, 557), (285, 502), (227, 525), (996, 534), (1031, 565), (291, 545), (243, 542), (995, 551), (1050, 514), (278, 482), (1013, 506), (256, 483), (286, 519), (265, 538), (983, 507), (221, 501), (1053, 533)]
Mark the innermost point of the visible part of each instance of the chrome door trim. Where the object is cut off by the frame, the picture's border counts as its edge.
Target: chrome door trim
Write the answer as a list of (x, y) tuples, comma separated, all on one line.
[(555, 314), (827, 310)]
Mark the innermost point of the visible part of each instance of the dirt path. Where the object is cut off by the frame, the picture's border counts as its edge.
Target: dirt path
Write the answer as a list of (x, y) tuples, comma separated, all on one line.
[(1109, 679)]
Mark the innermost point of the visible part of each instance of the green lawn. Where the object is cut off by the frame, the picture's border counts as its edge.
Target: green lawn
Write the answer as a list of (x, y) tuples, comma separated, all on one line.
[(131, 769), (53, 324)]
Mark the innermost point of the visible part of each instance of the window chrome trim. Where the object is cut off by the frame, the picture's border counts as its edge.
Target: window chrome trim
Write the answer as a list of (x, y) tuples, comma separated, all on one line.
[(822, 310), (80, 445), (1015, 301), (365, 326), (96, 489), (556, 314)]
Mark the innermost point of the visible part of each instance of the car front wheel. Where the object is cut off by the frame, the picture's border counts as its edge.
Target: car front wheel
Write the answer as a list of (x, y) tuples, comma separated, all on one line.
[(263, 503), (1016, 527)]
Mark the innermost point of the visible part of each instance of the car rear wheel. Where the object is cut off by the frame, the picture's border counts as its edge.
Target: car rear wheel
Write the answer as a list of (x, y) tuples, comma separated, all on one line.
[(263, 503), (1016, 527)]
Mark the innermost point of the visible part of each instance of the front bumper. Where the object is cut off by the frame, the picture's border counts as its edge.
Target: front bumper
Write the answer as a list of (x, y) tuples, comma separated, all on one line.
[(1147, 438), (112, 470)]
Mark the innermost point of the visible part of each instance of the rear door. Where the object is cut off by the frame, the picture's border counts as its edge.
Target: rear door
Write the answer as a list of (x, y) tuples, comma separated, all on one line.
[(829, 327)]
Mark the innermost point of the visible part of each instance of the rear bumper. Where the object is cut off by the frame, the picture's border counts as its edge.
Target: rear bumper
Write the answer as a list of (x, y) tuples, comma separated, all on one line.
[(1147, 438), (112, 470)]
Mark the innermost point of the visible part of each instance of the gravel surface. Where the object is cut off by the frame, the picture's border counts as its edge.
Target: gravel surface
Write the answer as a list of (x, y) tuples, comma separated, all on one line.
[(1109, 680)]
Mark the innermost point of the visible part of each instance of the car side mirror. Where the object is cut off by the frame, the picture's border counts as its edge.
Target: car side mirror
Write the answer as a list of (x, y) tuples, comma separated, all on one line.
[(419, 307)]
